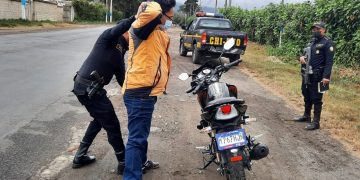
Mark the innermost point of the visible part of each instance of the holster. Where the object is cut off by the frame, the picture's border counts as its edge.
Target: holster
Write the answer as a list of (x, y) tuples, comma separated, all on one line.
[(92, 87)]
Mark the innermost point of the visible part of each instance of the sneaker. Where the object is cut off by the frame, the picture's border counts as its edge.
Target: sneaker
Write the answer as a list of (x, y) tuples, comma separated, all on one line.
[(148, 165)]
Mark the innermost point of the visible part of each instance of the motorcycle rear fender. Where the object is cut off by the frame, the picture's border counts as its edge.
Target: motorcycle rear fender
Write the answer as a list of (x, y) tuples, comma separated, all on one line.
[(226, 155)]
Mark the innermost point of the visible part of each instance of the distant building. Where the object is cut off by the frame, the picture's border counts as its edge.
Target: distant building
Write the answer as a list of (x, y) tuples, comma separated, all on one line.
[(53, 10)]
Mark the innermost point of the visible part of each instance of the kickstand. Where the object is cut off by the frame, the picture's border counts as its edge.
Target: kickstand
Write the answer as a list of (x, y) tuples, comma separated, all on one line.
[(208, 162)]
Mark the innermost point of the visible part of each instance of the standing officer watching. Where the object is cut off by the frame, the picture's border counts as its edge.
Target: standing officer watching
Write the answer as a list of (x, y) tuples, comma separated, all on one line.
[(321, 56), (105, 60)]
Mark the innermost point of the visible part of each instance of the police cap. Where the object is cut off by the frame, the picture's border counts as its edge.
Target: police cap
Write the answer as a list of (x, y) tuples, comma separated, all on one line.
[(318, 25)]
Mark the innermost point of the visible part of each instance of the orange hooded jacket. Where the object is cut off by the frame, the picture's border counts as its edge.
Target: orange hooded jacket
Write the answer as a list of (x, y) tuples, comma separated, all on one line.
[(148, 60)]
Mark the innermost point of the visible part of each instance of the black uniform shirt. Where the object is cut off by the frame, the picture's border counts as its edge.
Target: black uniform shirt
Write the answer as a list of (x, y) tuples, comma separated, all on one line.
[(105, 57), (322, 56)]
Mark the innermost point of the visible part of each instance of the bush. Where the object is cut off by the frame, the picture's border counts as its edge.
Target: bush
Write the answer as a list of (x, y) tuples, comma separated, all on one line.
[(188, 20), (264, 25), (22, 22), (86, 11), (179, 19)]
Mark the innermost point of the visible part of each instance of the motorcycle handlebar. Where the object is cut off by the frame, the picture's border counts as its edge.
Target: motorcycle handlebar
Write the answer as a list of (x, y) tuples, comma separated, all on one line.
[(197, 88), (190, 90), (232, 63), (226, 66)]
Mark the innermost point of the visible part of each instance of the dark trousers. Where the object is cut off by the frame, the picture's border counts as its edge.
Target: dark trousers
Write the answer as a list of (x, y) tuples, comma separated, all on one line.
[(140, 110), (312, 96), (102, 110)]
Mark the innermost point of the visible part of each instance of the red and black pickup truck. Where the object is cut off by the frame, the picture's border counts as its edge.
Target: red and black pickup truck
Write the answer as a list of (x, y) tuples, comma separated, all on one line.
[(205, 37)]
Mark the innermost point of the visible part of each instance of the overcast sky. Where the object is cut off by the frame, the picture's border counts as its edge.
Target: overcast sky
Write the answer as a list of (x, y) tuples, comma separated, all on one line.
[(248, 4)]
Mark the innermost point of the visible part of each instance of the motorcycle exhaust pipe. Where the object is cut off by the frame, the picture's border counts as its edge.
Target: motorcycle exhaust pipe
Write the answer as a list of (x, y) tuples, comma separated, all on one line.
[(259, 151)]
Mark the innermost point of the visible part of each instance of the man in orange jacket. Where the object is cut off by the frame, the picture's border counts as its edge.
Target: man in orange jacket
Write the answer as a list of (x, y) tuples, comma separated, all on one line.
[(146, 78)]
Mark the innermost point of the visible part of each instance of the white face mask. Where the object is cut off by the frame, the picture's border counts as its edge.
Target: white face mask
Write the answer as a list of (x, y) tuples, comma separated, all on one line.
[(167, 25)]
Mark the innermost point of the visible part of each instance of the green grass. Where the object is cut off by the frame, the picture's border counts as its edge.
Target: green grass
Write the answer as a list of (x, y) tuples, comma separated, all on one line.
[(22, 22), (341, 114)]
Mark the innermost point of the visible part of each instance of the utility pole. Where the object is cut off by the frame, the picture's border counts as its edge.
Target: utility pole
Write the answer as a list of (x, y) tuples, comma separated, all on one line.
[(111, 10), (225, 4), (215, 6), (23, 4), (230, 3), (106, 14)]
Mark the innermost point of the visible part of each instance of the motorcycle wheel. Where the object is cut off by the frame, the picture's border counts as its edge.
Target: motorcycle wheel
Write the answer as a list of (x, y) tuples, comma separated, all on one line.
[(235, 171)]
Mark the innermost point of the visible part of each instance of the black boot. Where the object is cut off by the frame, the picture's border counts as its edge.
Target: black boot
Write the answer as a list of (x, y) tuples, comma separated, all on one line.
[(306, 117), (315, 124), (312, 126), (81, 158), (121, 159), (303, 118)]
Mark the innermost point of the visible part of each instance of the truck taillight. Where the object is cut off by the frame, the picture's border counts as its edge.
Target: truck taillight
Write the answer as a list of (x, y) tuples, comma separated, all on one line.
[(246, 40), (203, 38)]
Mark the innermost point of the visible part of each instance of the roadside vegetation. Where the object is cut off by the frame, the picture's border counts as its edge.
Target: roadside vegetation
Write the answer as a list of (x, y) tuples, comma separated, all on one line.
[(21, 22), (293, 22), (88, 11)]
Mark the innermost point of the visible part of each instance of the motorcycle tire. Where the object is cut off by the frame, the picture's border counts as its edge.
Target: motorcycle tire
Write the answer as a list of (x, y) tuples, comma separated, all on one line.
[(235, 171)]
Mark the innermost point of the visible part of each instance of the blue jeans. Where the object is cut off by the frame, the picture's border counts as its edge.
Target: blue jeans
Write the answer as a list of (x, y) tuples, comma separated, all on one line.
[(140, 110)]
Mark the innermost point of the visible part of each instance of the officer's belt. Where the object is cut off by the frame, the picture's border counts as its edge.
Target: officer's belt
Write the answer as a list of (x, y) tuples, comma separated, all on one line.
[(318, 70), (83, 81)]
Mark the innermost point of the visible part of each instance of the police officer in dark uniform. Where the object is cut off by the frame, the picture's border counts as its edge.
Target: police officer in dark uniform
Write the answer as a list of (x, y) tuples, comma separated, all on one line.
[(105, 60), (322, 54)]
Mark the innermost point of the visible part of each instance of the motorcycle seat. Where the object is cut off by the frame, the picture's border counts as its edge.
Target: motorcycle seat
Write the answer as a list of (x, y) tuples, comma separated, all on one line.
[(225, 100)]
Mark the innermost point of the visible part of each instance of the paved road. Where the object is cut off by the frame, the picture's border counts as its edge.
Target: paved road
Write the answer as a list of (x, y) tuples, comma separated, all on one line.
[(41, 121), (37, 110)]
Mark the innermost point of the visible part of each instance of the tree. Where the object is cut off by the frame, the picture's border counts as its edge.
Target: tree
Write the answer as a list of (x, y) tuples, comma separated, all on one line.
[(190, 7), (128, 7)]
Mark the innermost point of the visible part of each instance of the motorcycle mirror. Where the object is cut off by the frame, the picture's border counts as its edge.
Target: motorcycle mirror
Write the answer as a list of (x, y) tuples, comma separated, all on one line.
[(229, 44), (183, 76)]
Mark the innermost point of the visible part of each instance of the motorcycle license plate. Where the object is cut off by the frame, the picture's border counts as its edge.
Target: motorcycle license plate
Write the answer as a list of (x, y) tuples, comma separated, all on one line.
[(232, 139)]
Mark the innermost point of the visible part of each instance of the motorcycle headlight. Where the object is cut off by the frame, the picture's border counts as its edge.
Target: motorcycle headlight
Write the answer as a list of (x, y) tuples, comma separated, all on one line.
[(206, 71)]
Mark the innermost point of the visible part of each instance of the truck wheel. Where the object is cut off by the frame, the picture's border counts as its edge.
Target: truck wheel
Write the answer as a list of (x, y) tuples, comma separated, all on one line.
[(234, 58), (196, 56), (182, 50)]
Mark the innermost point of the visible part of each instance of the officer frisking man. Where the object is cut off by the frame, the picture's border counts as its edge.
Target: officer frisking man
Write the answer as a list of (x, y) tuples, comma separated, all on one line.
[(316, 65), (105, 60)]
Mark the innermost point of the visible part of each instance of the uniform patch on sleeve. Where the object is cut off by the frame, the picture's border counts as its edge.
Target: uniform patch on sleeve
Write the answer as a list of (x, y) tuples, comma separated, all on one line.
[(331, 49)]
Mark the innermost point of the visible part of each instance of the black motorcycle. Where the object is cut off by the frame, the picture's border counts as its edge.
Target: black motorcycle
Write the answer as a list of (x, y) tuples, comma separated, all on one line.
[(223, 116)]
